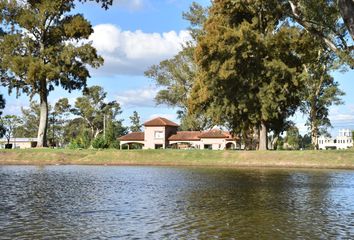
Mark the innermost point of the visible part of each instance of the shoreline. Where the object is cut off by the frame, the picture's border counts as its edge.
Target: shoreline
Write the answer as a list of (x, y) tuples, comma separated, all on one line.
[(340, 159)]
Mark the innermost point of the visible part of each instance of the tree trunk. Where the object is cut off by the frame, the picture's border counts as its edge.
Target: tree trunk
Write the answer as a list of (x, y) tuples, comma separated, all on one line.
[(314, 135), (43, 120), (263, 137), (346, 8), (274, 142)]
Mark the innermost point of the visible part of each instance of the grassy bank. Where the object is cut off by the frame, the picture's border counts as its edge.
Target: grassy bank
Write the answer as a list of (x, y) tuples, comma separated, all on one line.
[(281, 159)]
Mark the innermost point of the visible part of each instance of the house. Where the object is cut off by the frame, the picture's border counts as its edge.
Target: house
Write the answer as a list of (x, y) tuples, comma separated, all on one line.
[(161, 133), (19, 142), (344, 140)]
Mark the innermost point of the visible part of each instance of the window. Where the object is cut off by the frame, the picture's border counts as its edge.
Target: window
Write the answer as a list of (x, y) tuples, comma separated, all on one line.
[(158, 135), (158, 146)]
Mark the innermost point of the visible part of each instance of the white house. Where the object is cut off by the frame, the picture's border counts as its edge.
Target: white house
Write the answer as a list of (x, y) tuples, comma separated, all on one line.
[(343, 141), (162, 133), (19, 142)]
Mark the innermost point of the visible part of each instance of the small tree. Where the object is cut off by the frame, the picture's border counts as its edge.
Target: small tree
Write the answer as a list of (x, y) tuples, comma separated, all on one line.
[(135, 122), (293, 138), (9, 123)]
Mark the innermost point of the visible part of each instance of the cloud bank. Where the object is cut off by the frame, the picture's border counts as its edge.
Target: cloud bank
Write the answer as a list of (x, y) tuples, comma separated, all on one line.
[(143, 97), (132, 53)]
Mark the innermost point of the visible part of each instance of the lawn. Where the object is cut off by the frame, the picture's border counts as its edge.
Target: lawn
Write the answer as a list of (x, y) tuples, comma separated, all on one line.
[(339, 159)]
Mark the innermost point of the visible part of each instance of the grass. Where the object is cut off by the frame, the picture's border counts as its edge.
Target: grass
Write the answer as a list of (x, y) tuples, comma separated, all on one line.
[(280, 159)]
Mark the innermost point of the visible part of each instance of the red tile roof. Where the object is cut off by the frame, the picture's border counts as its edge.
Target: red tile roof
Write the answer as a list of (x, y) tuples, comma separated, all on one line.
[(160, 121), (134, 136), (185, 136), (215, 133)]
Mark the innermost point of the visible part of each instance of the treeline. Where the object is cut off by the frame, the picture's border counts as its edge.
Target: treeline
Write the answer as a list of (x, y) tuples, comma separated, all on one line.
[(251, 66), (91, 122)]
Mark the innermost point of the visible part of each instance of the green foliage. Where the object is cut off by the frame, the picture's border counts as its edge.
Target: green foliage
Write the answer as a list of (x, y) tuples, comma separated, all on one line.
[(93, 109), (81, 141), (305, 142), (248, 66), (43, 47), (177, 75), (30, 120), (320, 91), (115, 129), (9, 124), (293, 138), (100, 143), (330, 21), (135, 122)]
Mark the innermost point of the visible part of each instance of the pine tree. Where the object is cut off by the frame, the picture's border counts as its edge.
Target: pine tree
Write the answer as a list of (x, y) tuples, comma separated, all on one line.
[(135, 122), (247, 67)]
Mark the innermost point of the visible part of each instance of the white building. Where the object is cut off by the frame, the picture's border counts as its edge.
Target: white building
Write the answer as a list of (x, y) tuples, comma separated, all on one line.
[(19, 142), (343, 141)]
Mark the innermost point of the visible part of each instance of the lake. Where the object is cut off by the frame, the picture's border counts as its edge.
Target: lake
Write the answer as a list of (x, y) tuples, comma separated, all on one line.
[(90, 202)]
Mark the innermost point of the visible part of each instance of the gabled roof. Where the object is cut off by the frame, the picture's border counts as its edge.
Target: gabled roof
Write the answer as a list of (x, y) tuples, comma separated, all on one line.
[(160, 121), (215, 133), (134, 136), (185, 136)]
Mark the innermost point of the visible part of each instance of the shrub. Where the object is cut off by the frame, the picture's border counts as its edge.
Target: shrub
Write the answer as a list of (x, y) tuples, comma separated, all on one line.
[(100, 143)]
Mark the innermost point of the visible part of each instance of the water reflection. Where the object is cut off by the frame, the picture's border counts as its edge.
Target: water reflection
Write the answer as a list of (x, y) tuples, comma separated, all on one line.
[(80, 202)]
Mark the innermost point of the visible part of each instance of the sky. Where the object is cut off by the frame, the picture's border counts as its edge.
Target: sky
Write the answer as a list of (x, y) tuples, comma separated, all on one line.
[(135, 34)]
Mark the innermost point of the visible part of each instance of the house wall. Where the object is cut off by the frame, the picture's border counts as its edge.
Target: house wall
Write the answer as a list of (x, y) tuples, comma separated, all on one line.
[(21, 145), (194, 144), (341, 142), (150, 139), (216, 143)]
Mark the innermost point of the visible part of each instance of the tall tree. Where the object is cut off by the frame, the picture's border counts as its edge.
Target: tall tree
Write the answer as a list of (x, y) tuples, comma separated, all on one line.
[(247, 66), (320, 91), (43, 48), (9, 123), (94, 110), (176, 75), (135, 122), (59, 118), (2, 106)]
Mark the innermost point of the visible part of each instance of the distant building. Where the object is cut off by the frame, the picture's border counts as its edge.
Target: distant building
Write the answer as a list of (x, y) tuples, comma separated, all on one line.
[(19, 142), (343, 141), (161, 133)]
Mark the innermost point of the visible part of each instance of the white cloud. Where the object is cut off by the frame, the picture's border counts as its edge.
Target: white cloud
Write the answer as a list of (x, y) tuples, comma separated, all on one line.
[(130, 4), (132, 53), (342, 117), (14, 107), (138, 98)]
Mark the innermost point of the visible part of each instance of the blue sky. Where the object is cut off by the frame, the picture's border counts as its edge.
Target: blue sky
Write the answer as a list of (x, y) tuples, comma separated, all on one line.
[(135, 34)]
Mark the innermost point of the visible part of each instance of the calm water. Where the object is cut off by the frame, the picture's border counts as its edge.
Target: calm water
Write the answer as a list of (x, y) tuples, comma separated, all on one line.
[(77, 202)]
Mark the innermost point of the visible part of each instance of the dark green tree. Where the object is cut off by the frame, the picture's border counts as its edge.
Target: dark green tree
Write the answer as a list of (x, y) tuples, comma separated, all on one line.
[(93, 108), (248, 68), (43, 48), (292, 138), (135, 122)]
